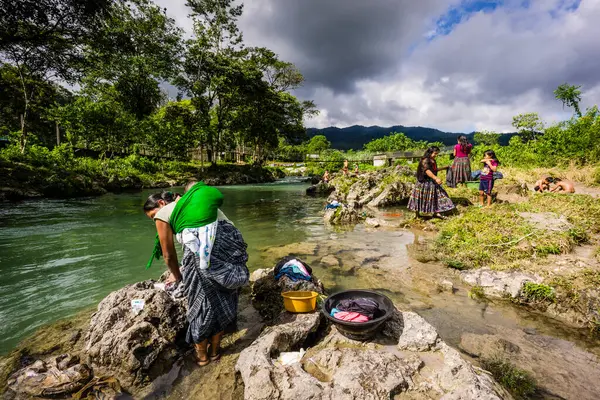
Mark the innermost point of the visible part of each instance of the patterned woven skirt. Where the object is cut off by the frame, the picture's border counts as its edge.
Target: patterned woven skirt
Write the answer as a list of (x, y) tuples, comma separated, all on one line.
[(429, 198), (460, 172)]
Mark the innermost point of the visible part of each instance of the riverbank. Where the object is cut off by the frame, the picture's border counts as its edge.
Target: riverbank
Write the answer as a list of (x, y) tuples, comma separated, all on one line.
[(68, 177)]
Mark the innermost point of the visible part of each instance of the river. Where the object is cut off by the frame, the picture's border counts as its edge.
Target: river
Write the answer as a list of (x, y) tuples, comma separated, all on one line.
[(58, 257)]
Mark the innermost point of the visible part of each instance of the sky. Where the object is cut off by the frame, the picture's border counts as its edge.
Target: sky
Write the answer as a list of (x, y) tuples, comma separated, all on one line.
[(454, 65)]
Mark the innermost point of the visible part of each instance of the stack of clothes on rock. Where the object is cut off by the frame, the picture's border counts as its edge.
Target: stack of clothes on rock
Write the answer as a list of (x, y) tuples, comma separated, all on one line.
[(294, 269), (355, 310)]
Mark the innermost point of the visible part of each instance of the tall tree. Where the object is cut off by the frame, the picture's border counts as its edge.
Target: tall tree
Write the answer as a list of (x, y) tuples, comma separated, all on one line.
[(570, 95), (528, 125), (43, 40)]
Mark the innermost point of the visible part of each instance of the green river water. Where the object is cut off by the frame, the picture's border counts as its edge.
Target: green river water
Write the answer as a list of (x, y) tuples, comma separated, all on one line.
[(61, 256)]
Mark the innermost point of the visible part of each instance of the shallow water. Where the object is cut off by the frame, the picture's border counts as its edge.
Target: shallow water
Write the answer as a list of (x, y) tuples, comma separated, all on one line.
[(60, 256)]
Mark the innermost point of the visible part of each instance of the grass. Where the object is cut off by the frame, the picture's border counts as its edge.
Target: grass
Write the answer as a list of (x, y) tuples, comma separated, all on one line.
[(518, 382), (477, 293), (498, 237), (588, 175), (538, 292)]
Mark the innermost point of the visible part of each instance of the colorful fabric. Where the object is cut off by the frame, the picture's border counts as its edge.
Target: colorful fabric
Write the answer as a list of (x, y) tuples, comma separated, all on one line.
[(429, 197), (361, 305), (334, 311), (195, 209), (285, 260), (460, 172), (350, 316), (487, 173), (460, 153), (294, 270), (486, 185), (212, 294), (200, 241)]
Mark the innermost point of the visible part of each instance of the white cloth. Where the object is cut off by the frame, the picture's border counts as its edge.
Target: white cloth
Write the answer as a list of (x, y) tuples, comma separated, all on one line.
[(200, 241)]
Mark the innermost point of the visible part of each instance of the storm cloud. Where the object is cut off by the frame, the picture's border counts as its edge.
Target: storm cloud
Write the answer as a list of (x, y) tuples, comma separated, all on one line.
[(455, 65)]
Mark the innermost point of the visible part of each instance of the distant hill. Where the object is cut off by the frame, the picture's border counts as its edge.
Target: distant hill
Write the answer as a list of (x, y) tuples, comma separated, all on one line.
[(355, 137)]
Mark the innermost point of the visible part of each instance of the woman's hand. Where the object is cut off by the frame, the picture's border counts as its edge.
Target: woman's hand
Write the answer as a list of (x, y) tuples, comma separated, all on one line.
[(438, 181)]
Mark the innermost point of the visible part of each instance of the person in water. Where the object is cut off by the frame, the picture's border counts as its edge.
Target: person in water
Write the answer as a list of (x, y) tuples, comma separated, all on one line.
[(345, 169), (213, 267), (460, 172), (486, 179), (326, 177), (563, 186), (428, 196), (543, 184)]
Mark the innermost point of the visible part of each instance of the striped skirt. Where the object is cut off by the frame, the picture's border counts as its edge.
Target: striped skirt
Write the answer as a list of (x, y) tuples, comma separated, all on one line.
[(460, 172), (212, 294), (429, 197)]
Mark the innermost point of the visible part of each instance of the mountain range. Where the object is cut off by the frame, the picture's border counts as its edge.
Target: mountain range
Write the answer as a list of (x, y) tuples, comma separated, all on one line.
[(356, 136)]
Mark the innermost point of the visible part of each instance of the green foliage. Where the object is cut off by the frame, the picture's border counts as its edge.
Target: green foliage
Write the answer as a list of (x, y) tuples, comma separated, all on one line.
[(537, 292), (393, 142), (318, 144), (570, 95), (518, 382), (476, 293), (487, 138), (528, 125)]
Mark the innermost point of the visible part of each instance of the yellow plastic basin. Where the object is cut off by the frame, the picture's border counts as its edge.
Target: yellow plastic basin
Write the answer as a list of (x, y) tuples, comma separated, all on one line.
[(299, 302)]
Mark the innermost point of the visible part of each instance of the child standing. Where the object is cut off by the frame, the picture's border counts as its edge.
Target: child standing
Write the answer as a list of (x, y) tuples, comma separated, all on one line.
[(486, 179)]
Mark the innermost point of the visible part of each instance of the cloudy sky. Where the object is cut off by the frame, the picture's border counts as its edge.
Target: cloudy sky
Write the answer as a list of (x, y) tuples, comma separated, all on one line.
[(455, 65)]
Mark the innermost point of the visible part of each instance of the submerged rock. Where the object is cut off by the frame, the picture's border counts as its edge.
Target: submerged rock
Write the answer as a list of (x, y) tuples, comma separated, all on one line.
[(136, 348), (339, 368), (499, 284)]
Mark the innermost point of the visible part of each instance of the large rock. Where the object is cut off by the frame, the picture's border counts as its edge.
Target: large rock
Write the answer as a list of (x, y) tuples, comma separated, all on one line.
[(320, 189), (499, 284), (266, 292), (336, 367), (342, 215), (136, 348), (392, 194)]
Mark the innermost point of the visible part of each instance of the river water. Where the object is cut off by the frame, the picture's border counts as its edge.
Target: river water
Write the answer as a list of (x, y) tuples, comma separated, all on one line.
[(58, 257)]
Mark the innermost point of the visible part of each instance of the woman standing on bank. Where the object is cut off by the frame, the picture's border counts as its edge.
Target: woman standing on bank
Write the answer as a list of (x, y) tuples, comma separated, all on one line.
[(428, 196), (460, 172), (213, 266)]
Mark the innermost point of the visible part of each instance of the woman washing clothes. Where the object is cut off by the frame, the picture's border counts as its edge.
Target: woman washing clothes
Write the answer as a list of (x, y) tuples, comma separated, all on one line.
[(213, 266), (428, 196)]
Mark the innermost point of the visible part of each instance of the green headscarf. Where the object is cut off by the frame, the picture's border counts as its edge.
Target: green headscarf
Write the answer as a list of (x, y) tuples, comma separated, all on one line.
[(198, 207)]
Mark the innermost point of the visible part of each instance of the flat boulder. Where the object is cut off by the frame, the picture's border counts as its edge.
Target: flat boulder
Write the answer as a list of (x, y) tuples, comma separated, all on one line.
[(136, 347)]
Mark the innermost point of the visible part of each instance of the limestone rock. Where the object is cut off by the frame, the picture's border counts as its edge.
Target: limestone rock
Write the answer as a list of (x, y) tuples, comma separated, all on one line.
[(373, 222), (392, 194), (259, 274), (446, 286), (329, 261), (498, 283), (263, 379), (266, 293), (417, 334), (342, 215), (58, 376), (136, 348), (320, 189)]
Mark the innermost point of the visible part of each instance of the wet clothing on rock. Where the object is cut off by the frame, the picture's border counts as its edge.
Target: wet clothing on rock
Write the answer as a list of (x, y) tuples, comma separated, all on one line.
[(212, 294), (351, 316), (294, 270), (292, 261), (367, 307)]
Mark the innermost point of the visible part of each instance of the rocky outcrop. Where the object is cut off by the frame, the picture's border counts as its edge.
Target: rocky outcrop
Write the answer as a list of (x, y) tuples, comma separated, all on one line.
[(339, 368), (343, 215), (266, 291), (320, 189), (499, 284), (136, 348), (382, 188)]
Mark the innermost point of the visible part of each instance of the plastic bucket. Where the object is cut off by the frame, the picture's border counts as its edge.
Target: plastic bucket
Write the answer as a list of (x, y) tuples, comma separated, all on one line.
[(299, 302)]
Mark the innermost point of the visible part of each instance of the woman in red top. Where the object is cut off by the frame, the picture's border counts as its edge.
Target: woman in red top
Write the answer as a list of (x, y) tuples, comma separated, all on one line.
[(460, 172)]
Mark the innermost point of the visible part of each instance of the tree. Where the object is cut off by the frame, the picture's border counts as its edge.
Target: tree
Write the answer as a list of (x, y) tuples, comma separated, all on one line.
[(43, 41), (570, 95), (174, 129), (393, 142), (487, 138), (528, 125), (318, 144)]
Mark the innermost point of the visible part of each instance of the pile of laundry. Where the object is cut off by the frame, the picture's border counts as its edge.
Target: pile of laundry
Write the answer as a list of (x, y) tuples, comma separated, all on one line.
[(294, 269), (355, 310), (333, 205), (476, 174)]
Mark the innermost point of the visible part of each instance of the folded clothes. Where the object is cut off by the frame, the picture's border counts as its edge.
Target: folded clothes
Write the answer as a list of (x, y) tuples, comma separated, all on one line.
[(361, 305), (334, 311), (294, 270), (291, 260), (350, 316)]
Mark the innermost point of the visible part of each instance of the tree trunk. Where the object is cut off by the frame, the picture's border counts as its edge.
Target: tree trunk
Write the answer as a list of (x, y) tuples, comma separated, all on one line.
[(57, 133)]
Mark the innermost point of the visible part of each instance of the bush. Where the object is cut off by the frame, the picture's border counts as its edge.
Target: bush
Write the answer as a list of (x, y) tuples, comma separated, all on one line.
[(537, 292)]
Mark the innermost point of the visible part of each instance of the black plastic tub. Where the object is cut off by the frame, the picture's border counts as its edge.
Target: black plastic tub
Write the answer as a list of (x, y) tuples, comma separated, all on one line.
[(359, 330)]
